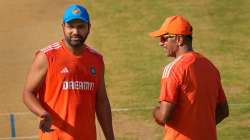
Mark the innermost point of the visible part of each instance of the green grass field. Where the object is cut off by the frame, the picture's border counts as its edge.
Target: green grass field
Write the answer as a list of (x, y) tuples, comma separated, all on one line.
[(134, 61)]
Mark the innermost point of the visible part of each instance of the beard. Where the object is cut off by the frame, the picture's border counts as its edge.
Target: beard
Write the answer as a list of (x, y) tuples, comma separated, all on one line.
[(76, 41)]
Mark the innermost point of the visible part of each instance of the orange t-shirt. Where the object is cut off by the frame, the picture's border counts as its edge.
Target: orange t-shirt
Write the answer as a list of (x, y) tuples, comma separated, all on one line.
[(69, 91), (193, 84)]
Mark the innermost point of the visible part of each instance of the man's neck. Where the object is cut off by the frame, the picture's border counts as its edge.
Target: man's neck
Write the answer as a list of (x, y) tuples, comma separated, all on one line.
[(75, 50), (183, 50)]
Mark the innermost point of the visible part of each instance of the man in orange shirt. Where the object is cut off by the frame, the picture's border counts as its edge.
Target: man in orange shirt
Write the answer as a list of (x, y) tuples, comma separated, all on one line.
[(65, 86), (192, 100)]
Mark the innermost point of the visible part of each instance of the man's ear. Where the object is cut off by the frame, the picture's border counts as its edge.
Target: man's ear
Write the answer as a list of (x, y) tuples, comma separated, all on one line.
[(63, 25), (180, 40), (89, 26)]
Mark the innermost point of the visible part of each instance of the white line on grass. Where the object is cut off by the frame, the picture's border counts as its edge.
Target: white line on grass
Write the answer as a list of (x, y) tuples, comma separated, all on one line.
[(122, 109)]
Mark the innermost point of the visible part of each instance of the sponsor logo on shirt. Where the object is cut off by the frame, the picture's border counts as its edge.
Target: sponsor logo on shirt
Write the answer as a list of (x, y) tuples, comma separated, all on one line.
[(78, 85)]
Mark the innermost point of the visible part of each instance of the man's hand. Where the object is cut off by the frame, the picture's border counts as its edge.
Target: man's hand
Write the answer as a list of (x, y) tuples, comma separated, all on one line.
[(154, 112), (45, 123), (163, 113)]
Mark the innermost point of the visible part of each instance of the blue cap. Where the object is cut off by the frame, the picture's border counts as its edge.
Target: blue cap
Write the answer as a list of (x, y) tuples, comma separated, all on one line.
[(76, 12)]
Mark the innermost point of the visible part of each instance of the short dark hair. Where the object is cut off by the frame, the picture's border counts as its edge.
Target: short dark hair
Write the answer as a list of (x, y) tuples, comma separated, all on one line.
[(189, 38), (188, 41)]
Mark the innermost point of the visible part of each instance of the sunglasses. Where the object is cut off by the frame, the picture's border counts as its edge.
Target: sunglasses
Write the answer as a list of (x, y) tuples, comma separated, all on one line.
[(164, 38)]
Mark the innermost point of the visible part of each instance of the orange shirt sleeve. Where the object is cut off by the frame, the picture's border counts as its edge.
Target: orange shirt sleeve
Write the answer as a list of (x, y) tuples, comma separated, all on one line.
[(170, 87)]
